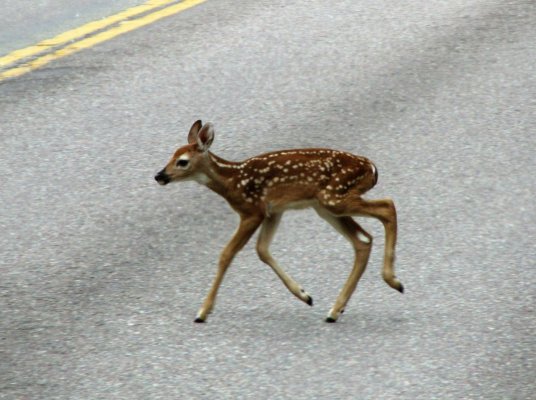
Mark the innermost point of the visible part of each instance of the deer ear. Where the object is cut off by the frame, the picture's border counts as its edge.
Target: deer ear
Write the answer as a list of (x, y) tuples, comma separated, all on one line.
[(194, 130), (205, 136)]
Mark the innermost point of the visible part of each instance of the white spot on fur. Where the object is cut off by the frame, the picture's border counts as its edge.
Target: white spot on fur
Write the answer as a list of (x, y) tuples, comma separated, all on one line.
[(201, 178), (362, 237)]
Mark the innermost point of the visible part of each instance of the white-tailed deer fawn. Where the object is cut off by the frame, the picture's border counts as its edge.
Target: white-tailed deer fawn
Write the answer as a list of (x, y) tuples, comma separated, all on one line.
[(261, 188)]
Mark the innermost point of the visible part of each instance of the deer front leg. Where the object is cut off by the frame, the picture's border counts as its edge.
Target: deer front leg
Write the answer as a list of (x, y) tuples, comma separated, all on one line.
[(268, 229), (247, 227)]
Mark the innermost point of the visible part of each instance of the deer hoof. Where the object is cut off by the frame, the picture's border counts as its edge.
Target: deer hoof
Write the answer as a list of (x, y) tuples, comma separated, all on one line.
[(304, 296), (332, 316)]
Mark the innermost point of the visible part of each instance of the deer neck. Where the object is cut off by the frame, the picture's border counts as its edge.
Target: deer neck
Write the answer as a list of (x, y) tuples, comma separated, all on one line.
[(217, 174)]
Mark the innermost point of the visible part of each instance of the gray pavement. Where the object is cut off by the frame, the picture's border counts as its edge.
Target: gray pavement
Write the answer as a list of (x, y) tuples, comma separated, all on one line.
[(102, 271), (26, 22)]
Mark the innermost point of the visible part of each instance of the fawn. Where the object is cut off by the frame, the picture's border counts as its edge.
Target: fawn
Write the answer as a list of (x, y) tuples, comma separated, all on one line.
[(261, 188)]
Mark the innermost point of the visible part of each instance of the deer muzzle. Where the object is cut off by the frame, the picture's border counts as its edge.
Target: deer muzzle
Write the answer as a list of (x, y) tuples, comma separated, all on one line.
[(162, 178)]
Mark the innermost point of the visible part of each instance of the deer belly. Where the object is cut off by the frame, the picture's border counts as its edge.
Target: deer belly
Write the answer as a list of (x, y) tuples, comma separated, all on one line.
[(289, 198), (299, 205)]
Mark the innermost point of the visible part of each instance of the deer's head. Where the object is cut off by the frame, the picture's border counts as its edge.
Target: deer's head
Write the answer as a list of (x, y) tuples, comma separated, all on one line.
[(188, 161)]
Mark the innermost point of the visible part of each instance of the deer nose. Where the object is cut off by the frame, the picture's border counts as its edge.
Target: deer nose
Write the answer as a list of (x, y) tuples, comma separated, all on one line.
[(162, 178)]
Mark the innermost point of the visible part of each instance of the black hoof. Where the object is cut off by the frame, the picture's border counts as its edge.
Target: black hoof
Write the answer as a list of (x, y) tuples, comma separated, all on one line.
[(401, 289), (310, 301), (330, 320), (199, 320)]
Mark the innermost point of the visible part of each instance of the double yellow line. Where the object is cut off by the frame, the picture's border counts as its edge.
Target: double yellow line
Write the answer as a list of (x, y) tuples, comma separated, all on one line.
[(25, 60)]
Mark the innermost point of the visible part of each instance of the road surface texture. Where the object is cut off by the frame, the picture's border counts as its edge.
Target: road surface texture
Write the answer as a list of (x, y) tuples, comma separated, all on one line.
[(102, 271), (26, 22)]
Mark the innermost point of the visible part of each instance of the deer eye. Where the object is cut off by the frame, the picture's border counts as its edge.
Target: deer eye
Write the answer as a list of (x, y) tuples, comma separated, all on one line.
[(182, 163)]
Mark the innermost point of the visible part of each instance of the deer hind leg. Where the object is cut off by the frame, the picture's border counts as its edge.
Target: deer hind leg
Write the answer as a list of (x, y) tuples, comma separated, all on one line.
[(385, 211), (361, 241), (245, 230), (268, 230)]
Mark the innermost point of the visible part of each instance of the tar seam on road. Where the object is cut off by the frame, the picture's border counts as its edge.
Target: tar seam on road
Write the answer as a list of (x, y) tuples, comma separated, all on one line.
[(24, 60)]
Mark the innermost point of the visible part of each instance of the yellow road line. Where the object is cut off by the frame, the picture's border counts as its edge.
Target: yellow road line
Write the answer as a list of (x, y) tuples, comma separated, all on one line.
[(84, 43), (83, 30)]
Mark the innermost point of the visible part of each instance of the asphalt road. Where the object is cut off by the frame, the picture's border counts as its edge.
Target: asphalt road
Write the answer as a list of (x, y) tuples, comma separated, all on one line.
[(102, 271), (26, 22)]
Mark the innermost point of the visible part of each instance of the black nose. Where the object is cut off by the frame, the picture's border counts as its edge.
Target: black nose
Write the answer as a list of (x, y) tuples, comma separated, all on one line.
[(162, 178)]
